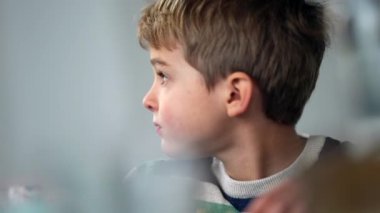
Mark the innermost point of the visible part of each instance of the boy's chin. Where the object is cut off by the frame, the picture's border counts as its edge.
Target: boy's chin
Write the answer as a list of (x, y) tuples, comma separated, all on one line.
[(179, 150)]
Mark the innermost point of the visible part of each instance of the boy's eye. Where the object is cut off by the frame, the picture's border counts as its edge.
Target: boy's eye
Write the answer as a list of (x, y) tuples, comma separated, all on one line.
[(163, 77)]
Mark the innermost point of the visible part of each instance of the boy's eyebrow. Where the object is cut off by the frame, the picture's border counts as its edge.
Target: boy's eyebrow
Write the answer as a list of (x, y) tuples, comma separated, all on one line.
[(157, 61)]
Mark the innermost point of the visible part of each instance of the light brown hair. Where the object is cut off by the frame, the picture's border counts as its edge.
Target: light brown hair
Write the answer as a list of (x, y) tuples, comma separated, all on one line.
[(278, 43)]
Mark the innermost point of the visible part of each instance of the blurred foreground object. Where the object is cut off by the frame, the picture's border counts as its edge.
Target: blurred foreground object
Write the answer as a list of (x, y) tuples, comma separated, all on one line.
[(23, 199), (339, 184), (345, 185)]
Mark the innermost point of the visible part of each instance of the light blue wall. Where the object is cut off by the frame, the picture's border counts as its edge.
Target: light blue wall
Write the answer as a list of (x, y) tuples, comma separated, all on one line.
[(72, 80)]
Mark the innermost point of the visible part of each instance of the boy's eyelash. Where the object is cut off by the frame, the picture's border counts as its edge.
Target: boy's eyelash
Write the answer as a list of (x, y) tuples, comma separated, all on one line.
[(162, 76)]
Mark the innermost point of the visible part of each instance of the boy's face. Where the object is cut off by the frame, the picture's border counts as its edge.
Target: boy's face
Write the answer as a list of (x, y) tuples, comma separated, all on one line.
[(189, 118)]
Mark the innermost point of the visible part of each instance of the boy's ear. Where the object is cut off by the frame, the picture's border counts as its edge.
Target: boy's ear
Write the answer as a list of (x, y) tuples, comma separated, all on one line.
[(239, 93)]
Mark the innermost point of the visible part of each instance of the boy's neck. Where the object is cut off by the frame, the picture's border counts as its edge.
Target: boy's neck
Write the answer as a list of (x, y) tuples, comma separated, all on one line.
[(260, 151)]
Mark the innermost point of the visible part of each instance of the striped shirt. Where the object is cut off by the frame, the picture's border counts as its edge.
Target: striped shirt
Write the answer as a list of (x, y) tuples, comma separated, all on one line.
[(204, 186)]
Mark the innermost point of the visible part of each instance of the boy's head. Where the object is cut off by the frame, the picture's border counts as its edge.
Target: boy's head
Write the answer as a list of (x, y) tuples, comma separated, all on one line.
[(277, 44)]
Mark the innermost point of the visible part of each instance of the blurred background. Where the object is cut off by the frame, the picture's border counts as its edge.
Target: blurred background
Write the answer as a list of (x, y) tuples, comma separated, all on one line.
[(72, 78)]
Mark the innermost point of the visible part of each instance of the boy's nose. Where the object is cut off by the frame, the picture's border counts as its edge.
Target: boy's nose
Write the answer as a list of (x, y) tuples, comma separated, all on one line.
[(150, 101)]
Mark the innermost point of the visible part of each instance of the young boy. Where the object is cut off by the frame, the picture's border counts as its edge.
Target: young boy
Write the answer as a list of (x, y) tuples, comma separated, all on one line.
[(231, 81)]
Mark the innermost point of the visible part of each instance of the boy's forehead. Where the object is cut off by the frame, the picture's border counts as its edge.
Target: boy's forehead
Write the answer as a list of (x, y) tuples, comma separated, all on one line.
[(158, 61), (164, 56)]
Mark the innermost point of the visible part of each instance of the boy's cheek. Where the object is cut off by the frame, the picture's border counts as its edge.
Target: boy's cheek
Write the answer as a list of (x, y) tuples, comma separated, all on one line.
[(173, 121)]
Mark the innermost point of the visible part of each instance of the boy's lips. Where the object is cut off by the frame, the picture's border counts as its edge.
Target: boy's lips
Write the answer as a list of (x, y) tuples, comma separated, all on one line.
[(158, 127)]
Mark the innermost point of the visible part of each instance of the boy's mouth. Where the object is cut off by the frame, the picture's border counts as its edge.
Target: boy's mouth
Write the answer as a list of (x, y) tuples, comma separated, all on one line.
[(158, 128)]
